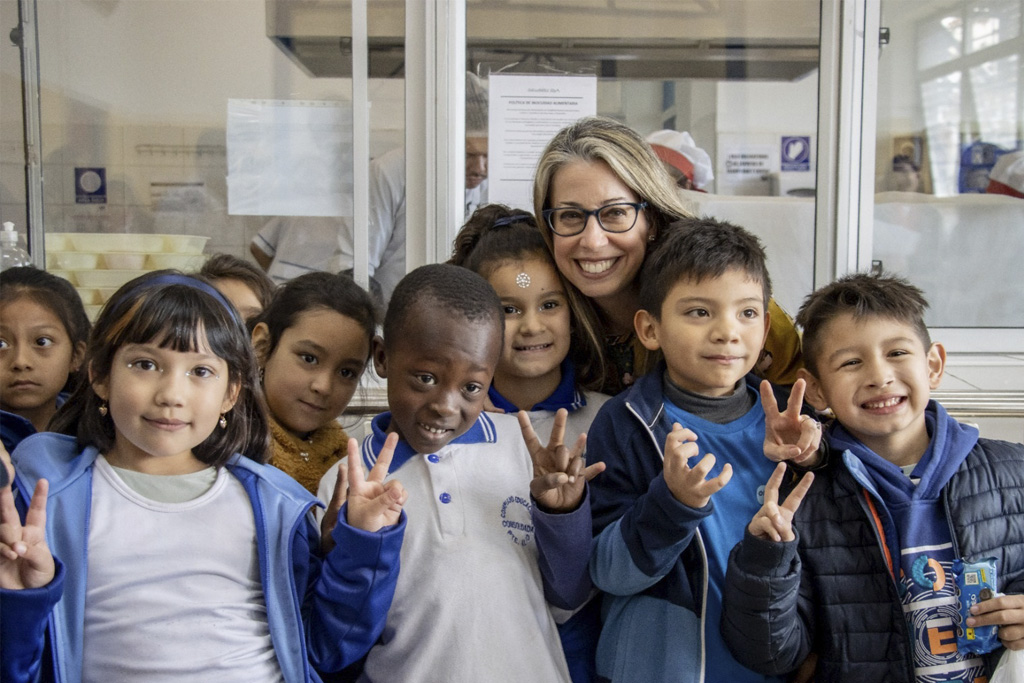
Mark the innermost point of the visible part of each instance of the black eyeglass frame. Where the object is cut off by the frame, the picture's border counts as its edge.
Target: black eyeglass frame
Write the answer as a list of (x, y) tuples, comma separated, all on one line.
[(596, 213)]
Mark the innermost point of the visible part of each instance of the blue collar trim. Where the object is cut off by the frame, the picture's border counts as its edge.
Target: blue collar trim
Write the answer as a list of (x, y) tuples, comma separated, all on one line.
[(482, 431), (565, 395)]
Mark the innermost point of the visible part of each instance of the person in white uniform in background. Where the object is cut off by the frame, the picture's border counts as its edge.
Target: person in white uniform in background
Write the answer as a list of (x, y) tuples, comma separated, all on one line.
[(687, 163), (289, 246), (1007, 176), (476, 143)]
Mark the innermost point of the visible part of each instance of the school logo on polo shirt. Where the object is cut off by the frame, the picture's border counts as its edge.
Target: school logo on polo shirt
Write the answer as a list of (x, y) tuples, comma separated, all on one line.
[(516, 520)]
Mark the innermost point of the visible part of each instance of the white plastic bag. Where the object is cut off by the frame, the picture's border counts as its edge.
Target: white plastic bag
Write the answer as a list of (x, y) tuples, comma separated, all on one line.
[(1010, 669)]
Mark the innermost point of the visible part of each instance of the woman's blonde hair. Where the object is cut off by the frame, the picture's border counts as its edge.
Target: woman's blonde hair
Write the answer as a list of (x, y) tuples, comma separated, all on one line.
[(597, 138)]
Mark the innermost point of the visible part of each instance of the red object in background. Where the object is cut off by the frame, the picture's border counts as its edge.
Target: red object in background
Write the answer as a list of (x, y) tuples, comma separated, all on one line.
[(1007, 176)]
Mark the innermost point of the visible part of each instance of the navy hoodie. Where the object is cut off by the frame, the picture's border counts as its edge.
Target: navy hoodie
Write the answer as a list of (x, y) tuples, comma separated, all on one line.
[(912, 521)]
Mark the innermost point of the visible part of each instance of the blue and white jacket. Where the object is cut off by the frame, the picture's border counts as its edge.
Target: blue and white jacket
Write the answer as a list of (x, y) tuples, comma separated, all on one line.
[(648, 557), (321, 613), (14, 428)]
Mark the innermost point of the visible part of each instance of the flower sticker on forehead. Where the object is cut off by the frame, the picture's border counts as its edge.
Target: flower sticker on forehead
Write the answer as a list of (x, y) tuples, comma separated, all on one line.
[(523, 280)]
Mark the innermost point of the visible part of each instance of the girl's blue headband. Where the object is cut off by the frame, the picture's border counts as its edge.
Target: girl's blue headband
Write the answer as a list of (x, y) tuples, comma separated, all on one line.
[(188, 281)]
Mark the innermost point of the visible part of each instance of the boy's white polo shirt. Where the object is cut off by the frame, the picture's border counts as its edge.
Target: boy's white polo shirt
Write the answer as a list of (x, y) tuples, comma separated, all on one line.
[(469, 605)]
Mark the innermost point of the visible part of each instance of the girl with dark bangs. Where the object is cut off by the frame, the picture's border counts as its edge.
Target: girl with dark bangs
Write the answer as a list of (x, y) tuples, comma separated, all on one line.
[(167, 550)]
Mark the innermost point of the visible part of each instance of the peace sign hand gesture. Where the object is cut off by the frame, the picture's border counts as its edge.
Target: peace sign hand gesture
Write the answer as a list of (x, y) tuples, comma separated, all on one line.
[(790, 435), (372, 503), (773, 521), (25, 558), (559, 473)]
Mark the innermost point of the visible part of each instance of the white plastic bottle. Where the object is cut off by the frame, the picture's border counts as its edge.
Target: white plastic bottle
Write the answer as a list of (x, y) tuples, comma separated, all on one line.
[(11, 255)]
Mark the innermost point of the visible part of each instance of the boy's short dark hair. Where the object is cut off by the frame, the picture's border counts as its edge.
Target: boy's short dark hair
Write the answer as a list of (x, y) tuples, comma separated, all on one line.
[(699, 248), (443, 287), (860, 295)]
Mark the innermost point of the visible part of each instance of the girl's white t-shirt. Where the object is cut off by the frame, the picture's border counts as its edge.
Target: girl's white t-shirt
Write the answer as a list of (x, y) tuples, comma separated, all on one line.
[(173, 590)]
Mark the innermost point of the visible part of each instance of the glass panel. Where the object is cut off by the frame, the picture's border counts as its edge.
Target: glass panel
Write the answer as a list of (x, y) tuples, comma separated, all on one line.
[(991, 23), (739, 77), (996, 110), (139, 130), (940, 40), (13, 199), (940, 99), (950, 128)]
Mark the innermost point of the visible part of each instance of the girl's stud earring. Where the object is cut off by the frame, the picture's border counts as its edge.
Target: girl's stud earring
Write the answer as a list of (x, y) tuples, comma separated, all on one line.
[(103, 409), (223, 421)]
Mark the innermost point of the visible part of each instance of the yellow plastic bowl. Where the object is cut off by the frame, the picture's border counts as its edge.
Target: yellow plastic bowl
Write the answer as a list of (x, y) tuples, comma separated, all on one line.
[(71, 260), (183, 262), (105, 278), (58, 241), (185, 244), (104, 242), (89, 295), (66, 274), (125, 260)]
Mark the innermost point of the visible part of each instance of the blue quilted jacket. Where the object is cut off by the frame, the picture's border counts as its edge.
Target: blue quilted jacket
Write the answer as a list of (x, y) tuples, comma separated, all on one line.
[(830, 591)]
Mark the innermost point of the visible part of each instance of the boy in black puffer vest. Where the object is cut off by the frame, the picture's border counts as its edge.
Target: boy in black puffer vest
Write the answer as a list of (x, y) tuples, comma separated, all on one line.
[(857, 566)]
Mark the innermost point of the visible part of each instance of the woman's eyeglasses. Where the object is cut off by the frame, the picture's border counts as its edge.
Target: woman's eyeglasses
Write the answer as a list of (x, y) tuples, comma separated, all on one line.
[(618, 217)]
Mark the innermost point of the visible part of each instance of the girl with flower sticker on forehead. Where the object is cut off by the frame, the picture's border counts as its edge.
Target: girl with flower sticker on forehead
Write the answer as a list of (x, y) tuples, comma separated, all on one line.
[(166, 550), (536, 372), (43, 329)]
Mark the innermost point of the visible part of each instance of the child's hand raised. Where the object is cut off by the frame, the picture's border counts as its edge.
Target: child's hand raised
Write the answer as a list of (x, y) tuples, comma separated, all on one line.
[(25, 558), (6, 468), (789, 435), (330, 518), (1005, 611), (372, 503), (559, 473), (690, 486), (773, 521)]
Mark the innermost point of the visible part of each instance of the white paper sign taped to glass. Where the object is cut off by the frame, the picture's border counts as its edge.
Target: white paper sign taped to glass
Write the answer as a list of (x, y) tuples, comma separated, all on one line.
[(289, 158), (742, 161), (525, 113)]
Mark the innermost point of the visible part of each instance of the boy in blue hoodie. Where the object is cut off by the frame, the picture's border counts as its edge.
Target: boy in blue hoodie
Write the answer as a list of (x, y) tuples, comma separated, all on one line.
[(860, 571), (662, 543)]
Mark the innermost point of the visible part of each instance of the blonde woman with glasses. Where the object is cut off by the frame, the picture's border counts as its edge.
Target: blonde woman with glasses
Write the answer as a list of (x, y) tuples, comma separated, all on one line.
[(603, 200)]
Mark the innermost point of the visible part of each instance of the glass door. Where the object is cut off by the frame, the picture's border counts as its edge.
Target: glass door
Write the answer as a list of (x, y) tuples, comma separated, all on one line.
[(949, 171)]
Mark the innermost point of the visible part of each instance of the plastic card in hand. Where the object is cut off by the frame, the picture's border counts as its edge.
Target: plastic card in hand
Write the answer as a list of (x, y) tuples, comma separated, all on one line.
[(975, 582)]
